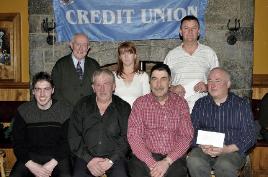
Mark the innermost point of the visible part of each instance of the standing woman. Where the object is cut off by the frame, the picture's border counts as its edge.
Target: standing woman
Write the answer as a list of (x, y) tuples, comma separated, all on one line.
[(131, 82)]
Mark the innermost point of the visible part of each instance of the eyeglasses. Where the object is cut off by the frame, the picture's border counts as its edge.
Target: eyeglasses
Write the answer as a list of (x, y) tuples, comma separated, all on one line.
[(39, 90), (85, 45), (215, 81)]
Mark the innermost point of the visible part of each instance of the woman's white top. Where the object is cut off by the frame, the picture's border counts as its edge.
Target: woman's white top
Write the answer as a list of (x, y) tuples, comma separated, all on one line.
[(129, 92)]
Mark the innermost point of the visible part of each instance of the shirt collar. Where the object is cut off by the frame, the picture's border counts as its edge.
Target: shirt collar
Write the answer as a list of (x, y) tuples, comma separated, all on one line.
[(75, 61), (197, 49), (112, 105), (169, 95), (226, 101)]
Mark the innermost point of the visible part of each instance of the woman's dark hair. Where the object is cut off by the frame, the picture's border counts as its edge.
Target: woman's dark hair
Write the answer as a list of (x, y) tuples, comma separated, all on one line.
[(126, 47)]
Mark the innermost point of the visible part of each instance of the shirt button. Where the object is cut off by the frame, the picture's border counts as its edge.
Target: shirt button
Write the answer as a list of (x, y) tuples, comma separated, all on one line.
[(99, 142)]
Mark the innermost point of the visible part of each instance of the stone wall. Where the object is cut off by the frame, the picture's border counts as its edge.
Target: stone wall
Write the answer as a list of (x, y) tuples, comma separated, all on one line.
[(237, 59)]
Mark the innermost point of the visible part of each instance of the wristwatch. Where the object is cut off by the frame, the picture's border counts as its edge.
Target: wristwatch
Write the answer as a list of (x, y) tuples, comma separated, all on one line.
[(111, 162)]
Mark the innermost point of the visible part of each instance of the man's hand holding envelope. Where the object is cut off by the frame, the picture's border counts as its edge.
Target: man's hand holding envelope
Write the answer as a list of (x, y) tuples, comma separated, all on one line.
[(212, 143)]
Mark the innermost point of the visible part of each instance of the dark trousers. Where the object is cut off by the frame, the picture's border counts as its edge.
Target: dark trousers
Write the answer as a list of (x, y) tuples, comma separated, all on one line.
[(63, 169), (138, 168), (119, 169)]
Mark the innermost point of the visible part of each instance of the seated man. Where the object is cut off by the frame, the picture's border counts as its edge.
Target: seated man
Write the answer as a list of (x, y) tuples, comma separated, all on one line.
[(224, 112), (40, 133), (160, 130), (98, 130)]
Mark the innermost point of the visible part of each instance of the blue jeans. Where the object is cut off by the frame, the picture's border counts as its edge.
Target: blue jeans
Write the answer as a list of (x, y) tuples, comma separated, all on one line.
[(200, 164)]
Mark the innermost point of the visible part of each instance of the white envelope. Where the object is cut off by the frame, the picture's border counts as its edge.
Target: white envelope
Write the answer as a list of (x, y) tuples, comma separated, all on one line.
[(210, 138), (189, 88)]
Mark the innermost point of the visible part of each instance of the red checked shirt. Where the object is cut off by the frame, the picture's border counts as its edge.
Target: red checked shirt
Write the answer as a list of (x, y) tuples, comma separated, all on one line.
[(155, 128)]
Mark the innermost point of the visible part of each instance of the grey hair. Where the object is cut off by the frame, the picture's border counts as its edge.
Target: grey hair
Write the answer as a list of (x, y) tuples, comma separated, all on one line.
[(79, 34), (100, 72), (226, 73)]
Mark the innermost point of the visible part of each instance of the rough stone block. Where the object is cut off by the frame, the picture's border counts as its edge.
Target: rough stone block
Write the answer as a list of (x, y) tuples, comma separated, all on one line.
[(246, 34), (225, 7), (247, 53), (225, 51), (104, 57), (158, 53), (36, 61), (168, 43), (215, 36), (38, 41), (238, 73), (102, 46), (247, 12), (48, 67), (144, 52), (51, 55), (35, 23), (40, 7)]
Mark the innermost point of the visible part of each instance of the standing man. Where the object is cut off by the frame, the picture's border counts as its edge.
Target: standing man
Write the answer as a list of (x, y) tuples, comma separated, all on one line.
[(160, 130), (224, 112), (72, 73), (98, 130), (190, 62)]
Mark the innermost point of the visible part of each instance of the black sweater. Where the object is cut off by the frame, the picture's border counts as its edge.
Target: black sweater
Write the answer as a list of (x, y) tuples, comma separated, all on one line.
[(42, 132)]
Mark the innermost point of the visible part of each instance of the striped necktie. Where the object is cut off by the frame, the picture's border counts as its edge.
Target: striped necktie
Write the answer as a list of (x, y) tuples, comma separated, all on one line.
[(79, 70)]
